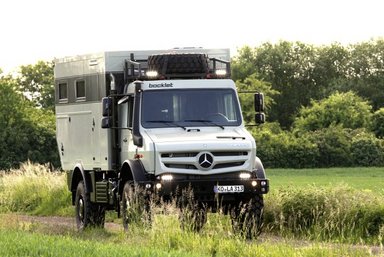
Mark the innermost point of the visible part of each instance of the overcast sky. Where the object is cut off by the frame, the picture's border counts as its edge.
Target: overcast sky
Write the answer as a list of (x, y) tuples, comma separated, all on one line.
[(33, 30)]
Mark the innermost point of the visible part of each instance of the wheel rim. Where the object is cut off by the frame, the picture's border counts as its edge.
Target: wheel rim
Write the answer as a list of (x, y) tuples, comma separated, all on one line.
[(81, 210)]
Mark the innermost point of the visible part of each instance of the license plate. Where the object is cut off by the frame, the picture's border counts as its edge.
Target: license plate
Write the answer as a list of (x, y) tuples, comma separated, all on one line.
[(228, 189)]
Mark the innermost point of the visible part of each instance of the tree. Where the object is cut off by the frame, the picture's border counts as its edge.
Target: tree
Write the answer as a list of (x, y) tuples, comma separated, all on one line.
[(378, 123), (366, 71), (26, 133), (246, 91), (340, 109), (37, 83)]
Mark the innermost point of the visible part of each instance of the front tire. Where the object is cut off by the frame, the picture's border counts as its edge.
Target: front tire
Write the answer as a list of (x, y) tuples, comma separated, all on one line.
[(247, 217), (135, 205), (193, 218)]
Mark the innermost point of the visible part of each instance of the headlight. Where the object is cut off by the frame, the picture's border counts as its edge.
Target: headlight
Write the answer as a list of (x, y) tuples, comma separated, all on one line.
[(245, 175), (167, 177)]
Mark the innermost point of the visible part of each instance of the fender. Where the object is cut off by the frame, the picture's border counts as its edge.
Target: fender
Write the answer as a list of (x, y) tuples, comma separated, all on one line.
[(260, 172), (78, 173), (132, 170), (136, 168)]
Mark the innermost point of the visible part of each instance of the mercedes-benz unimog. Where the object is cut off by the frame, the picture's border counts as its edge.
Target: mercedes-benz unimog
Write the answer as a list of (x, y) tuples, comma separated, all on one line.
[(160, 125)]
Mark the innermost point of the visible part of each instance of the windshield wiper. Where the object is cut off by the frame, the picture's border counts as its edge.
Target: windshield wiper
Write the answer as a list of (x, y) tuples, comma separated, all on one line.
[(206, 121), (168, 122)]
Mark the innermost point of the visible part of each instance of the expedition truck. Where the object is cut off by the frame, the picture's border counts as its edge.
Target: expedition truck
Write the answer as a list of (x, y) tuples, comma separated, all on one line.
[(134, 126)]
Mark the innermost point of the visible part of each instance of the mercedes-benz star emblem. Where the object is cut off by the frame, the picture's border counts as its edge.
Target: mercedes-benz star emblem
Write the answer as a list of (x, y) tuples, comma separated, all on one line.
[(205, 160)]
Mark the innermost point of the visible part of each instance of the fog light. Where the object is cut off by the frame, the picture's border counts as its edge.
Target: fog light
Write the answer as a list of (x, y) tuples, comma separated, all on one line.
[(254, 183), (221, 72), (158, 186), (245, 175), (166, 177), (263, 183), (148, 186)]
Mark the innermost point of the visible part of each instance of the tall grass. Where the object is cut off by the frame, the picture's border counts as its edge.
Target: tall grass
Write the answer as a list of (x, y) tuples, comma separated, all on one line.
[(335, 213), (163, 238), (34, 189), (339, 214)]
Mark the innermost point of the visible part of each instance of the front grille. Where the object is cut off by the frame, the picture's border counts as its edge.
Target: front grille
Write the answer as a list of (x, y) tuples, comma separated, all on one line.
[(181, 166), (189, 160), (227, 165), (178, 155), (230, 153)]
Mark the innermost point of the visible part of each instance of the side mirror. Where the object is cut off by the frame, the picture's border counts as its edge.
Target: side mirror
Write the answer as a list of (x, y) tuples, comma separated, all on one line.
[(106, 122), (260, 118), (107, 106), (259, 102)]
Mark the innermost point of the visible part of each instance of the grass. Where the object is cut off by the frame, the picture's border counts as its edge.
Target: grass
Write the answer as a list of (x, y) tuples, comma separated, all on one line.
[(35, 190), (339, 205), (164, 238), (371, 178)]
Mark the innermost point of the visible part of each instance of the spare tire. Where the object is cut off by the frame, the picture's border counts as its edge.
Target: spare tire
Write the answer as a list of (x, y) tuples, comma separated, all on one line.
[(179, 63)]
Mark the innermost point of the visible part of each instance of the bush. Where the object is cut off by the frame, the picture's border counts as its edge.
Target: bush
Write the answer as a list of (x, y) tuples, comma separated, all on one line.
[(367, 150), (378, 123), (339, 213), (334, 145), (34, 189)]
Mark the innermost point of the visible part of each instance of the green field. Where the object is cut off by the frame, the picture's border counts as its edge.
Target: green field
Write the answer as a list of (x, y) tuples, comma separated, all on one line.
[(308, 212), (358, 178)]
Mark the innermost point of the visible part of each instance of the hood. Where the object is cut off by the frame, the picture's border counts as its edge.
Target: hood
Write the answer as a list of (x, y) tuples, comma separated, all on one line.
[(196, 134)]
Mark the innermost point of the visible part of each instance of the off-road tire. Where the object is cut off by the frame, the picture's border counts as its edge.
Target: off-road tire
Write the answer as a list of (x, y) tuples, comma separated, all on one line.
[(87, 214), (193, 218), (179, 63), (98, 215), (135, 206), (83, 207), (247, 217), (193, 214)]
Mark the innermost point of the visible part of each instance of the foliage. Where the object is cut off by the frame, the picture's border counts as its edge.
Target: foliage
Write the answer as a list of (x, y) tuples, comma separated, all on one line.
[(163, 240), (26, 132), (34, 189), (366, 149), (246, 90), (37, 83), (334, 146), (378, 123), (302, 72), (337, 212), (340, 109)]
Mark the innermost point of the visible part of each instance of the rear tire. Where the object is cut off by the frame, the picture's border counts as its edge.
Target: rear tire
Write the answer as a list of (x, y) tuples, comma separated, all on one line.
[(82, 207), (98, 216), (87, 213)]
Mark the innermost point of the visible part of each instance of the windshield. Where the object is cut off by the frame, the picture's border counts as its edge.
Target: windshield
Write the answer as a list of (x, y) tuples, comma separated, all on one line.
[(189, 108)]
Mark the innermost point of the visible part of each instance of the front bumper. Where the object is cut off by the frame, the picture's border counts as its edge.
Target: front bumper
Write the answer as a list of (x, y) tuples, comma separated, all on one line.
[(205, 188)]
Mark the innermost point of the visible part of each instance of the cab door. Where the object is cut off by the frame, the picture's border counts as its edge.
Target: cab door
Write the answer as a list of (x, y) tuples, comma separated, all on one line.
[(125, 123)]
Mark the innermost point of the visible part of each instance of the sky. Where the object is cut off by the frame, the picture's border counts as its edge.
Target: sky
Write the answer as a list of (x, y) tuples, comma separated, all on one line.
[(47, 29)]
